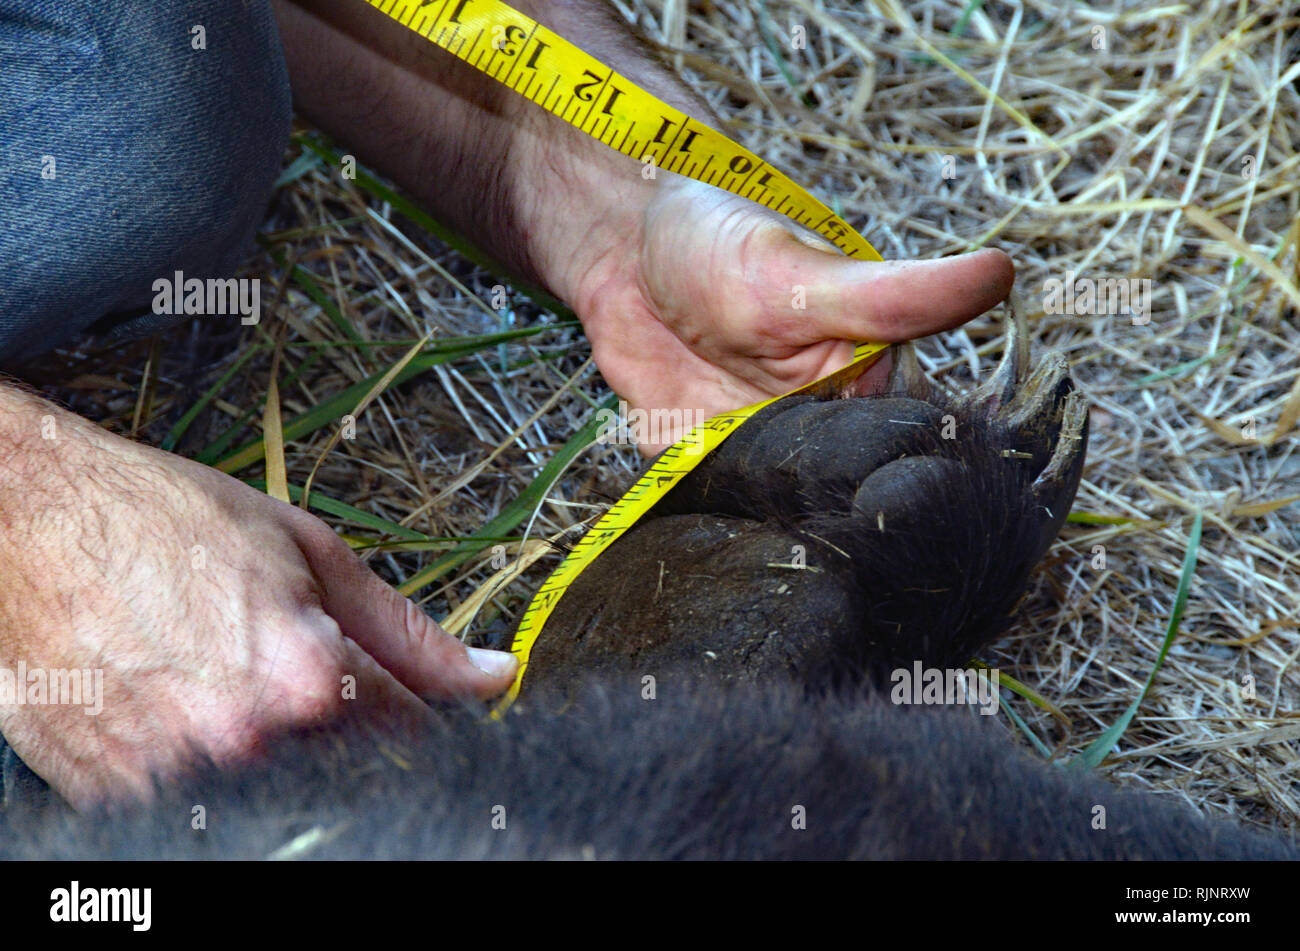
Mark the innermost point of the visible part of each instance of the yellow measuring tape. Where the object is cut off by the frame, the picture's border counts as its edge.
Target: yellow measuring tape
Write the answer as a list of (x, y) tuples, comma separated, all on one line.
[(542, 66)]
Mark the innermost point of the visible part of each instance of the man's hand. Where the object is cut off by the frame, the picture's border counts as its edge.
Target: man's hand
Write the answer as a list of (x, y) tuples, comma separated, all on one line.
[(217, 615), (714, 302)]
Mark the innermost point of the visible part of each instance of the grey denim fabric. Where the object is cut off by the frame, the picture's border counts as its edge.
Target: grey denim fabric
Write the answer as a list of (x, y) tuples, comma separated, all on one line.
[(163, 156), (20, 788), (163, 159)]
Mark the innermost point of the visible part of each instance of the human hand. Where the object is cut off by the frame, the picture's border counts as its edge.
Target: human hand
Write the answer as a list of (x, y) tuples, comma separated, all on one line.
[(699, 308), (217, 615)]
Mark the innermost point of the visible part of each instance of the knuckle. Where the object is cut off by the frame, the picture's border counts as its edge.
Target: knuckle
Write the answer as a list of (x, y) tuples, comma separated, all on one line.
[(318, 702), (238, 740), (307, 682), (316, 695), (419, 627), (427, 637), (313, 534)]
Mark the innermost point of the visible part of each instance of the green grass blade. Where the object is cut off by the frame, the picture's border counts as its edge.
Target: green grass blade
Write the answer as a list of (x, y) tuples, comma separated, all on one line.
[(346, 400), (323, 503), (518, 510), (764, 22), (183, 424), (299, 167), (959, 28), (1101, 747), (331, 409), (1015, 686), (1024, 728), (434, 543), (1176, 370), (307, 282), (210, 454)]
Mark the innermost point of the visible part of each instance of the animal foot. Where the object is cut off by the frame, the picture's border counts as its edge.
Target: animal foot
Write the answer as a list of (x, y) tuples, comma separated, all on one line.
[(837, 539)]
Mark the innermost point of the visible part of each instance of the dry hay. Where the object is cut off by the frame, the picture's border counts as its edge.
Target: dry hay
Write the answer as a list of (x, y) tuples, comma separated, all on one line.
[(1125, 162)]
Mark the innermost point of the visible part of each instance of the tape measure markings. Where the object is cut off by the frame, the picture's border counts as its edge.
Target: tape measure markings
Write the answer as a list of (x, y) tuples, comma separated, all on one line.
[(503, 43)]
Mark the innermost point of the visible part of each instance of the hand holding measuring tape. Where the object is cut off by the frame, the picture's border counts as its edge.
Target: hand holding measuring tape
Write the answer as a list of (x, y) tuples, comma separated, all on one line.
[(535, 62)]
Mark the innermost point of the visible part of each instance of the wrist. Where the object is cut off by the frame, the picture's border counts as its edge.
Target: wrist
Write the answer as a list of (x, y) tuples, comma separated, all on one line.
[(578, 202), (53, 463), (28, 424), (579, 206)]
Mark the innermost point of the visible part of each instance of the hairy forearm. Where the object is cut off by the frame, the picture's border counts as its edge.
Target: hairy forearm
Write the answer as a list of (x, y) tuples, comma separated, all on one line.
[(48, 456), (32, 431), (38, 445), (523, 186)]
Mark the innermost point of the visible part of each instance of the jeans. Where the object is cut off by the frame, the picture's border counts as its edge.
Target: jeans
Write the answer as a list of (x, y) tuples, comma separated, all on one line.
[(136, 140), (19, 786)]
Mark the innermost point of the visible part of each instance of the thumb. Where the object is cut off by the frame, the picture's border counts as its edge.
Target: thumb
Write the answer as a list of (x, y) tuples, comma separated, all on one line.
[(886, 301), (396, 632)]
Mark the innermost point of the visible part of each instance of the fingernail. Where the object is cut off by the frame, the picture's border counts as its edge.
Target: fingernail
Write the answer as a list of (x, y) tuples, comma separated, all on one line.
[(493, 663)]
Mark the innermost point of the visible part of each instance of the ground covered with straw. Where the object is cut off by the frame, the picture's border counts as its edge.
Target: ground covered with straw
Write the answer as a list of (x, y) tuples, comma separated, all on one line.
[(1116, 141)]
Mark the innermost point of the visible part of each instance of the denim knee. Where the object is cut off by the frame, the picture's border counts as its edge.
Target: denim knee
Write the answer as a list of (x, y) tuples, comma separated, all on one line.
[(136, 140)]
